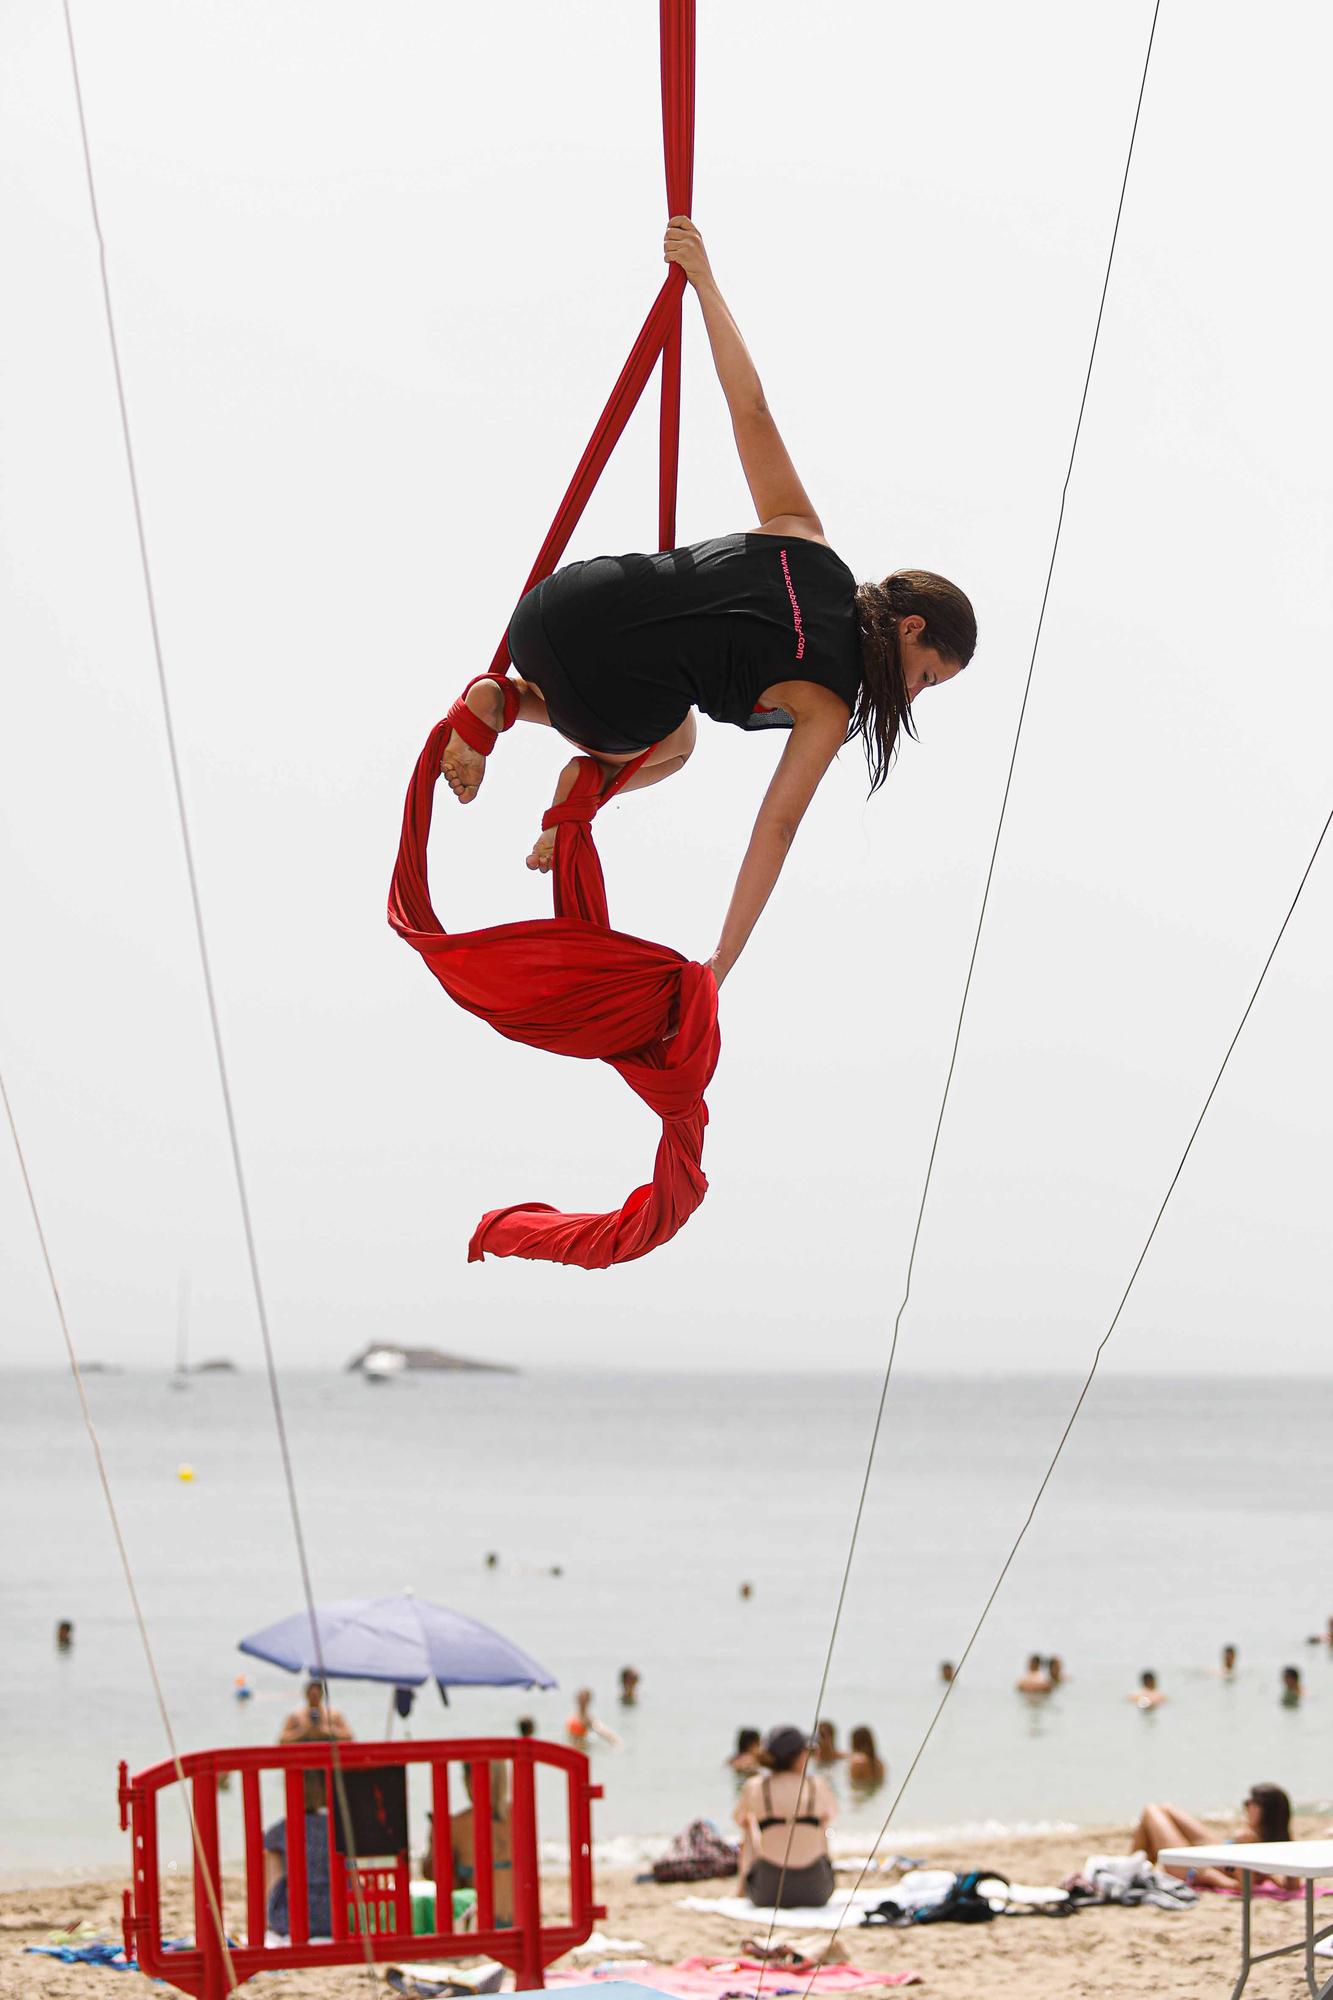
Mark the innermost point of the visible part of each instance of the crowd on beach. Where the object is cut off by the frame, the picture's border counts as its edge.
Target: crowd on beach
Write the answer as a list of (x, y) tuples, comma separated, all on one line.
[(785, 1805)]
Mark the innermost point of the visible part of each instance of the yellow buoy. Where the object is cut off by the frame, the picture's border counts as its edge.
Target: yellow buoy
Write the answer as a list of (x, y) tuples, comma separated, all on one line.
[(185, 1472)]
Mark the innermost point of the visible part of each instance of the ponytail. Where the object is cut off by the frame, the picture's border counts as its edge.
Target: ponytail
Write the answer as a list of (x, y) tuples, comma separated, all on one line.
[(882, 709)]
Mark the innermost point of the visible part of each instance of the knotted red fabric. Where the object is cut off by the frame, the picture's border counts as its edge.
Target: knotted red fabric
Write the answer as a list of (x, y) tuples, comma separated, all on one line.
[(571, 984)]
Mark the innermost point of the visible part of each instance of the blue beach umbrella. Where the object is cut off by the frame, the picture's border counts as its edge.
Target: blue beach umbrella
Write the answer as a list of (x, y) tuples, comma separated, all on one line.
[(402, 1640)]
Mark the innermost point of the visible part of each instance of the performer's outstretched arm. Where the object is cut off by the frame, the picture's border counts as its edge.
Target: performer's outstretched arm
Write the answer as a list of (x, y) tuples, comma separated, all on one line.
[(811, 748)]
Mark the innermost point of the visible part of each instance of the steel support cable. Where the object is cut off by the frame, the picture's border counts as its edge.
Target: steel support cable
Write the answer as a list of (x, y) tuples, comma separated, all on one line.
[(201, 938), (1088, 1379), (976, 940), (121, 1548)]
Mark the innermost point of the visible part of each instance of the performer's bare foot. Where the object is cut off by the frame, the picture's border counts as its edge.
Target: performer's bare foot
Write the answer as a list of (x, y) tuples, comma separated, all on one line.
[(462, 767), (543, 850)]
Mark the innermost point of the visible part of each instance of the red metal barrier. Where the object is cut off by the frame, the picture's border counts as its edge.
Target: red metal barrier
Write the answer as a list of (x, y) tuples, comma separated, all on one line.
[(526, 1946)]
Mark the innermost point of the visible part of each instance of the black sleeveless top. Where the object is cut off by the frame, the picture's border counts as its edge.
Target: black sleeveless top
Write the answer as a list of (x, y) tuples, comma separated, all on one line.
[(644, 638)]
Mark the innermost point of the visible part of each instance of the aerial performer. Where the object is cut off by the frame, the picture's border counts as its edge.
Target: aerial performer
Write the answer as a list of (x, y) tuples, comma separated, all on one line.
[(768, 630), (764, 629)]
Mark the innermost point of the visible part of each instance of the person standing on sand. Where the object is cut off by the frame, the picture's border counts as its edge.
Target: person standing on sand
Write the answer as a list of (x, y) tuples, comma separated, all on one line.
[(1147, 1694), (316, 1722), (1036, 1680)]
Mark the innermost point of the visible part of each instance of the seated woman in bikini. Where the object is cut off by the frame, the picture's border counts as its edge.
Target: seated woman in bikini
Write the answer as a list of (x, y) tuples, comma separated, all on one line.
[(1267, 1817), (767, 629), (784, 1817)]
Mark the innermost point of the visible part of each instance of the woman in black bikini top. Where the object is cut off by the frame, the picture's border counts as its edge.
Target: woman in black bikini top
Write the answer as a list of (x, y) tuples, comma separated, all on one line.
[(764, 630), (785, 1860)]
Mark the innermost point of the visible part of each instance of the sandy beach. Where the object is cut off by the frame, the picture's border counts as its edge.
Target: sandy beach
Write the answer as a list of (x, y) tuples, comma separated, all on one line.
[(1098, 1953)]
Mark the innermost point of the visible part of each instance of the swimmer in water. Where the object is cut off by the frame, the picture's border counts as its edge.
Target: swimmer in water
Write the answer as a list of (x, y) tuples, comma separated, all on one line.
[(583, 1724), (1291, 1687), (745, 1759), (1036, 1680), (1147, 1694)]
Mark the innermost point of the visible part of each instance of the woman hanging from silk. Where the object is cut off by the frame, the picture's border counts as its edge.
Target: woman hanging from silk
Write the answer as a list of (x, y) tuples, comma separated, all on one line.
[(764, 629)]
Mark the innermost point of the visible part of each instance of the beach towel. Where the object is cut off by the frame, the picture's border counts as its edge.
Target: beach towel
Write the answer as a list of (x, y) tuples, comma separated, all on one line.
[(842, 1907), (739, 1978)]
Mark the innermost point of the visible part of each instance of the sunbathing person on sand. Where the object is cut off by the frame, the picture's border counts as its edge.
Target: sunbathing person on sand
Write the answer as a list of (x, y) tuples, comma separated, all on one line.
[(1267, 1817)]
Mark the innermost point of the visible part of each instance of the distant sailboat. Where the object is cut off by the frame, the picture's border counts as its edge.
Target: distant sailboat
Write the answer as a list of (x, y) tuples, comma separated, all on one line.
[(180, 1379)]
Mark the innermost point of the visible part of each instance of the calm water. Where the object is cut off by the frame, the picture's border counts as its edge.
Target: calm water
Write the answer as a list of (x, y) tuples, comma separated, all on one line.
[(1184, 1514)]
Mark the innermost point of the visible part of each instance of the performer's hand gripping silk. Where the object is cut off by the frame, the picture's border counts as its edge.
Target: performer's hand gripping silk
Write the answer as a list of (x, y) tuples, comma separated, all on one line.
[(765, 629)]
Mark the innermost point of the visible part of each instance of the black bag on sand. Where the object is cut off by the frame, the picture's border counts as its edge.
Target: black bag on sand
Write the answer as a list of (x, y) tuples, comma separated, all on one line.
[(964, 1903)]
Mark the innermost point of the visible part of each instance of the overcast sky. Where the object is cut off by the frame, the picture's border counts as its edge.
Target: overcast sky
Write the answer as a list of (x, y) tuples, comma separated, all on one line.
[(376, 270)]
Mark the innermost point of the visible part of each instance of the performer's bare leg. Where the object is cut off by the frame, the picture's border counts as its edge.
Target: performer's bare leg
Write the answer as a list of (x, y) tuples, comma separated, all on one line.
[(668, 757)]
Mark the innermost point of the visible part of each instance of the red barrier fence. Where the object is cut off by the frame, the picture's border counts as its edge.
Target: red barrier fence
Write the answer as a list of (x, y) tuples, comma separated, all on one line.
[(374, 1789)]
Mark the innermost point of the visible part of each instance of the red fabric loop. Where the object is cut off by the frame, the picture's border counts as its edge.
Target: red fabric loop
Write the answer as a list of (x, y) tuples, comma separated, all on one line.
[(479, 735), (571, 984)]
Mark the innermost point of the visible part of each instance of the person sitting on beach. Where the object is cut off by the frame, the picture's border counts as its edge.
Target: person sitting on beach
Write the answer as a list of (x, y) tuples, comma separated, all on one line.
[(462, 1844), (318, 1921), (1036, 1680), (784, 1815), (864, 1768), (825, 1745), (316, 1722), (583, 1723), (1267, 1817), (1147, 1694), (746, 1757)]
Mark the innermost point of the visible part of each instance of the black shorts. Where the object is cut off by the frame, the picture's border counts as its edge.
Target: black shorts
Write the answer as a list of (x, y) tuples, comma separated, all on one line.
[(807, 1888), (599, 710)]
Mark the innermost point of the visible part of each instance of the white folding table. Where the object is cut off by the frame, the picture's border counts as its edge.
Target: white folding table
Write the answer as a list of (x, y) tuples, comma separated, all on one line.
[(1309, 1860)]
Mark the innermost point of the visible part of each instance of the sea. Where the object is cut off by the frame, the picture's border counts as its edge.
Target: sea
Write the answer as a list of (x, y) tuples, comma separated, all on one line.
[(626, 1513)]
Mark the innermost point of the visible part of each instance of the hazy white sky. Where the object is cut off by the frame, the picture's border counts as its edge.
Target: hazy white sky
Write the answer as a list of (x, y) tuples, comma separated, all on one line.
[(376, 270)]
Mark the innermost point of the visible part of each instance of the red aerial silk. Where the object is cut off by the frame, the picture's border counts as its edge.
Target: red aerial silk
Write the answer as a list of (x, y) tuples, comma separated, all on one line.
[(570, 983)]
